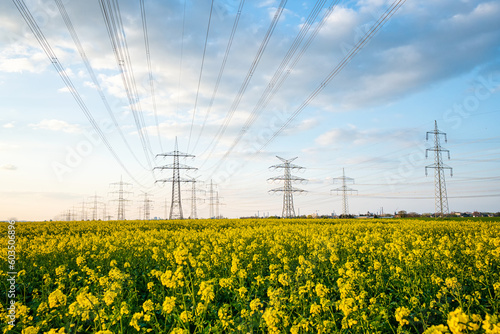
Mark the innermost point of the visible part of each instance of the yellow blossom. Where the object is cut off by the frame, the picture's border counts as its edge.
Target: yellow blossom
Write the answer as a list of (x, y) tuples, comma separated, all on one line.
[(57, 298)]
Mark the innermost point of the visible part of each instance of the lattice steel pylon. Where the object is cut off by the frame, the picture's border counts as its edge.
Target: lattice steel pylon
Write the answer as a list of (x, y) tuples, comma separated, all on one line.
[(122, 201), (194, 199), (147, 206), (287, 189), (440, 197), (344, 189), (176, 204)]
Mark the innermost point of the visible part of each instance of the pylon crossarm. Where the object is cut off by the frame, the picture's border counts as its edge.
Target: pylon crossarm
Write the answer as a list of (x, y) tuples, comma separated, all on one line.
[(286, 161), (291, 178), (173, 166), (175, 154)]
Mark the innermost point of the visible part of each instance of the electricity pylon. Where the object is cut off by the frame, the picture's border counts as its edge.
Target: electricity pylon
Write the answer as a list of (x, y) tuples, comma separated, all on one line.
[(176, 204), (84, 212), (344, 189), (194, 199), (218, 203), (287, 189), (212, 200), (122, 201), (94, 205), (441, 198), (147, 206)]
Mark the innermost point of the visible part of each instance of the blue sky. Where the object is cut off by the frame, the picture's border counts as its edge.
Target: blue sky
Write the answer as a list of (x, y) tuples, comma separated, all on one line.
[(433, 60)]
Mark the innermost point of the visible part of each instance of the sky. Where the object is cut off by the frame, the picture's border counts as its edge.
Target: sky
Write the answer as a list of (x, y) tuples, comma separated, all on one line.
[(305, 80)]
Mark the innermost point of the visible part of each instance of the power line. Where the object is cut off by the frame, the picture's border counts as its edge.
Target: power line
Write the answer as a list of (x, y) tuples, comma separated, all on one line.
[(150, 72), (344, 61), (340, 66), (201, 73), (221, 70), (280, 74), (81, 51), (247, 79), (181, 57), (114, 25), (28, 17)]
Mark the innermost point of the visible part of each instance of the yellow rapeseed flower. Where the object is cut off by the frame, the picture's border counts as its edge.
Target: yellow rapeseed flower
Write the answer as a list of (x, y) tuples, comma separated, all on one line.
[(57, 298), (401, 313), (168, 305)]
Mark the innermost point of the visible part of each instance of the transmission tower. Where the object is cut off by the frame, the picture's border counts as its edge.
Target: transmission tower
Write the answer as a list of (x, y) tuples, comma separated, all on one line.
[(94, 204), (122, 201), (176, 204), (106, 216), (441, 198), (84, 212), (212, 200), (194, 199), (147, 206), (218, 203), (344, 189), (287, 189)]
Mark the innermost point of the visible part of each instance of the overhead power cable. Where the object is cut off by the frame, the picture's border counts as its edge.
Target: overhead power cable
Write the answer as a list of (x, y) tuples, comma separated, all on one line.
[(114, 25), (281, 75), (340, 66), (81, 51), (150, 71), (248, 77), (201, 73), (221, 71), (28, 17)]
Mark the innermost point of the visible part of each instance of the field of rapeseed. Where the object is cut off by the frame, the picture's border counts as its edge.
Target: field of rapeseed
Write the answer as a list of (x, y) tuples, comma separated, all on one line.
[(256, 276)]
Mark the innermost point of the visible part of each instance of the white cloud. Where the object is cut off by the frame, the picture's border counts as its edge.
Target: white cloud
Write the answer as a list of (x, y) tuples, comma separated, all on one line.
[(354, 136), (8, 125), (56, 125), (8, 167)]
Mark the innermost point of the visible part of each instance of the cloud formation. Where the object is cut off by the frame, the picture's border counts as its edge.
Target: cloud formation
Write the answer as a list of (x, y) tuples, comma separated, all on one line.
[(8, 167), (56, 125)]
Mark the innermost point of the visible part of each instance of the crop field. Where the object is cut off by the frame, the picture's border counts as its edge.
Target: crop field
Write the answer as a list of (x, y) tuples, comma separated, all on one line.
[(256, 276)]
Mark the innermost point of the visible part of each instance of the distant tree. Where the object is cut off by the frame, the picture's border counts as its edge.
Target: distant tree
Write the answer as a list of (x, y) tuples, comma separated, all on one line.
[(402, 213)]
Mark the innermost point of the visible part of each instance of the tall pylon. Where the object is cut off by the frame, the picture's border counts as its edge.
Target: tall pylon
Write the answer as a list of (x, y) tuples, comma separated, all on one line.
[(287, 189), (176, 204), (345, 190), (440, 197), (122, 201)]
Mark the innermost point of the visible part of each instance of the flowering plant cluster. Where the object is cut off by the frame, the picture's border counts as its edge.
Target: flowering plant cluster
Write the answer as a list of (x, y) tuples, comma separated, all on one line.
[(257, 276)]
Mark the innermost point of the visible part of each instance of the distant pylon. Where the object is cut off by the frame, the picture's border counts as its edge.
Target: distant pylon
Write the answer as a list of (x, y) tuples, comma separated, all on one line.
[(122, 201), (211, 200), (194, 198), (147, 206), (440, 197), (84, 212), (287, 189), (94, 206), (176, 204), (344, 189)]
